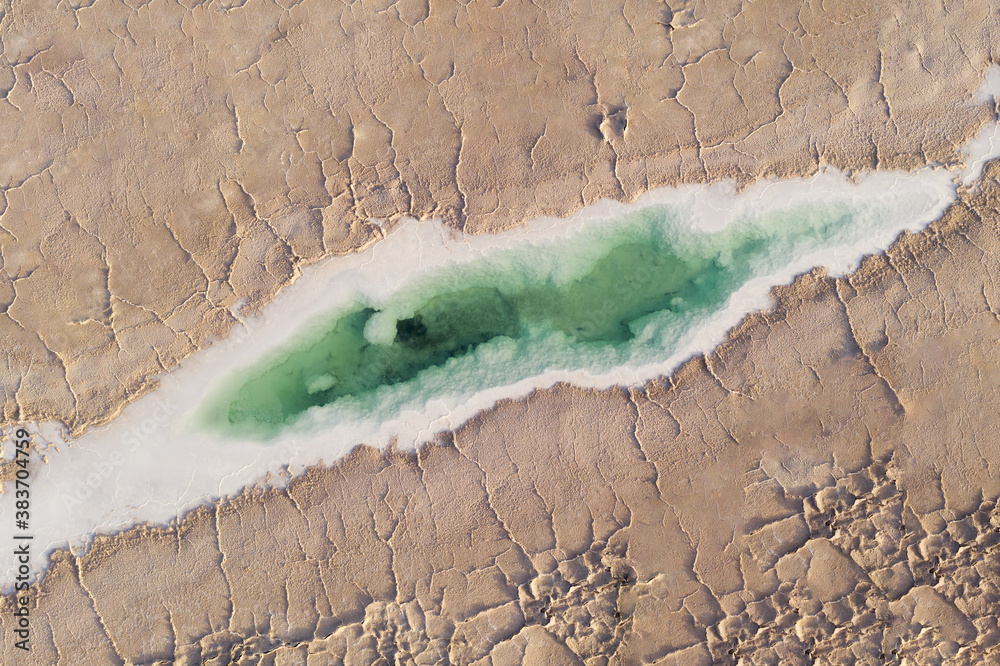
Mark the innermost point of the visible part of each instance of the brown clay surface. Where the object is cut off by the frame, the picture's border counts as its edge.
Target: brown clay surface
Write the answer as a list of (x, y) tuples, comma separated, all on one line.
[(166, 160), (821, 488)]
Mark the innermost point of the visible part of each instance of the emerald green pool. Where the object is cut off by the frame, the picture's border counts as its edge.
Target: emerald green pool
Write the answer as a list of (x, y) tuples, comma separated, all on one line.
[(589, 301)]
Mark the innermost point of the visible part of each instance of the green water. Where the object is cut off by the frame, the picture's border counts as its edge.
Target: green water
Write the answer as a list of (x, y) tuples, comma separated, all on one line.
[(618, 296)]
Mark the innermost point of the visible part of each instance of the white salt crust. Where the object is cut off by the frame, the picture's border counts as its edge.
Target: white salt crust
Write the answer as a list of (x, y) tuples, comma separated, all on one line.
[(150, 466)]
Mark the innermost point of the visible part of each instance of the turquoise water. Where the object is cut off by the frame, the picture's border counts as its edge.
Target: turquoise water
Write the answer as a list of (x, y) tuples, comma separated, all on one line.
[(623, 295)]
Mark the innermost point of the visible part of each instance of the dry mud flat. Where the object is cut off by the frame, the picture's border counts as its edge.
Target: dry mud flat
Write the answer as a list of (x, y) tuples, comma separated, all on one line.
[(820, 488), (222, 145)]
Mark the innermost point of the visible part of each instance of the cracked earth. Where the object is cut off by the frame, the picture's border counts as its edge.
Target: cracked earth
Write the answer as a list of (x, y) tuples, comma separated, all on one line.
[(170, 163), (818, 489), (821, 488)]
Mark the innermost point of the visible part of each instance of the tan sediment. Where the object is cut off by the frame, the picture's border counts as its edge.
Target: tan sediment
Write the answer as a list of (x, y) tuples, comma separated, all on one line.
[(165, 161), (821, 487)]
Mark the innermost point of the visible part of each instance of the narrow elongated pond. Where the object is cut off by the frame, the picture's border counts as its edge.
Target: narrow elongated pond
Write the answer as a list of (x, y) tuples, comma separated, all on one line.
[(622, 295)]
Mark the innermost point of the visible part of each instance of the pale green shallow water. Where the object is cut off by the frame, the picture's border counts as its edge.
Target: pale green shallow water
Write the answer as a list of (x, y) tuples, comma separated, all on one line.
[(595, 301)]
